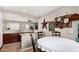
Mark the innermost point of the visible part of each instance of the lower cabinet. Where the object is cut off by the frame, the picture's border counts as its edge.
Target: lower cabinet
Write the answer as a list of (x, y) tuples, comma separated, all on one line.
[(11, 37)]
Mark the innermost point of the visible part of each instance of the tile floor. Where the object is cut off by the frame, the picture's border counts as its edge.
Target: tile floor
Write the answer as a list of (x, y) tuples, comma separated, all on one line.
[(11, 47), (14, 47)]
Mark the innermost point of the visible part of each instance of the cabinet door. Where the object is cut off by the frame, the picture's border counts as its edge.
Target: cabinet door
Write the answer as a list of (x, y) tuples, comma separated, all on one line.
[(10, 38)]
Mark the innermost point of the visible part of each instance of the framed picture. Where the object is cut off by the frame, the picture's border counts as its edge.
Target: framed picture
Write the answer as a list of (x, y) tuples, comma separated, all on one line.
[(51, 26)]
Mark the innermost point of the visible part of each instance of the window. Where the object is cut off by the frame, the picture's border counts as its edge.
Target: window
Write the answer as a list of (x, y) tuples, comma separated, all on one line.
[(14, 26)]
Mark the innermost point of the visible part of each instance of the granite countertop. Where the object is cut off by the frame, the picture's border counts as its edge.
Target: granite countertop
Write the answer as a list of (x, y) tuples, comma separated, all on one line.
[(15, 31)]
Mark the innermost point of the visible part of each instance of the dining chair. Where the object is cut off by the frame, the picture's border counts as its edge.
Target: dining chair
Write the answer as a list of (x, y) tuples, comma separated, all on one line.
[(35, 49), (56, 33), (40, 34)]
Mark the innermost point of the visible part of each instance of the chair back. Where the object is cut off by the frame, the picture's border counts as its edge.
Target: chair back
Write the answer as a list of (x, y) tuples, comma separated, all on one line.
[(56, 33), (41, 34)]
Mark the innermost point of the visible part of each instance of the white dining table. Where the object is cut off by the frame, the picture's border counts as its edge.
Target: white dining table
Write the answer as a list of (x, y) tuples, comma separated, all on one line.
[(57, 44)]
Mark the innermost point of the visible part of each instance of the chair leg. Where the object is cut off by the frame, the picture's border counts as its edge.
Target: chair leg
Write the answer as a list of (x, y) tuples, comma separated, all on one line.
[(33, 44), (34, 50)]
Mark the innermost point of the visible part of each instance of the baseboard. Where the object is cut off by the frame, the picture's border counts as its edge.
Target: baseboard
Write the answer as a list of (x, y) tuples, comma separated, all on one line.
[(25, 49)]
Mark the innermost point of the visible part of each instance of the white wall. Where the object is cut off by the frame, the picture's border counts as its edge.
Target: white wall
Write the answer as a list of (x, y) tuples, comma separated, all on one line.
[(65, 32), (1, 27)]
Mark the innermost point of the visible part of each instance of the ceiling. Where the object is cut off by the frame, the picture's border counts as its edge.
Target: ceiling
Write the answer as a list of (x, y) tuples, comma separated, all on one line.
[(33, 11)]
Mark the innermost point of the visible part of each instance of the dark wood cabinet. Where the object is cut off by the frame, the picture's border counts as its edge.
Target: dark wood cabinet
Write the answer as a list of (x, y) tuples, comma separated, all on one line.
[(11, 37)]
